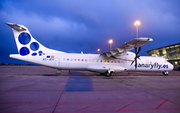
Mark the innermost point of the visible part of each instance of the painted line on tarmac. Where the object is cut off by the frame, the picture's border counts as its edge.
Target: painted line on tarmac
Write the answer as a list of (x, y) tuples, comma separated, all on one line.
[(161, 104), (126, 106), (95, 104)]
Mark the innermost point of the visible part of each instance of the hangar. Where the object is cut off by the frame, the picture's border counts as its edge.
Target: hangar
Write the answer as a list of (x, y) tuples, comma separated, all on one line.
[(170, 52)]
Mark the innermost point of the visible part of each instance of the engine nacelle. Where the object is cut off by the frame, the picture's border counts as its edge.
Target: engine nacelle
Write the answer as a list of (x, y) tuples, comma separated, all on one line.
[(126, 56)]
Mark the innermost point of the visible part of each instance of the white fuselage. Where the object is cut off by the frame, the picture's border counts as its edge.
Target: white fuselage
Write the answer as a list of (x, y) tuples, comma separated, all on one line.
[(96, 62)]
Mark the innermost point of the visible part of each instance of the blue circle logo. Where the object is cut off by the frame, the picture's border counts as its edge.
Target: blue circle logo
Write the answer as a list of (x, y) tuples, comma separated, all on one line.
[(40, 53), (34, 46), (24, 38), (34, 54), (24, 51)]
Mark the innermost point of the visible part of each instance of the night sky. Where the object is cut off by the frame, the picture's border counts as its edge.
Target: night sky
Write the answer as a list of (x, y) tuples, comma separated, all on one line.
[(85, 25)]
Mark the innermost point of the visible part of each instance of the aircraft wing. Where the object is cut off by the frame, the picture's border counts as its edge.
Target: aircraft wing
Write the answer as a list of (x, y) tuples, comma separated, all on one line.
[(127, 46)]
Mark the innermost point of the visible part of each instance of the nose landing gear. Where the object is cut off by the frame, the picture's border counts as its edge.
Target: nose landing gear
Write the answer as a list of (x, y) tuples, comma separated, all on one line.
[(165, 73)]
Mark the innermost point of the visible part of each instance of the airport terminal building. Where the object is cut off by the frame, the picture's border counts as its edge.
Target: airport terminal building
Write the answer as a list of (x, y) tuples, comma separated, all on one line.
[(170, 52)]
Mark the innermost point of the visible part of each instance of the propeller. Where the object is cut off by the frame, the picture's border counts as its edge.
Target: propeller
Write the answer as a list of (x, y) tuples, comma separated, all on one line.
[(137, 50)]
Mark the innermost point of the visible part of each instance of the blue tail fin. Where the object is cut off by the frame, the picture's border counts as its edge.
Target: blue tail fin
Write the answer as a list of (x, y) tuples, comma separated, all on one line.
[(26, 44)]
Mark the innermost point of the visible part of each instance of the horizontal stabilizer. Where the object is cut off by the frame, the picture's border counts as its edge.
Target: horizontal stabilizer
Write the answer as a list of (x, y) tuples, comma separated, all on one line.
[(16, 27)]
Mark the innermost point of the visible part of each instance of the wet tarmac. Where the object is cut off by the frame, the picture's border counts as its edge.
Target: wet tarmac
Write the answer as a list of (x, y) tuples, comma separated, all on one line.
[(38, 89)]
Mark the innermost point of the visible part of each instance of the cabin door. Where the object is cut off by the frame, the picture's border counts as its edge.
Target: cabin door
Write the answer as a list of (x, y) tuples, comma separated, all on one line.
[(57, 62)]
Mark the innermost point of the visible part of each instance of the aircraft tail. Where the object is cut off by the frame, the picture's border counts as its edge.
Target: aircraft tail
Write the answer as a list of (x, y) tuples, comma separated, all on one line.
[(26, 44)]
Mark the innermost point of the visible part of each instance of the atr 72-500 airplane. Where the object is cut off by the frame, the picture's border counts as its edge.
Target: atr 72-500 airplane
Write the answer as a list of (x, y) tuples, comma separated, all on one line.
[(116, 60)]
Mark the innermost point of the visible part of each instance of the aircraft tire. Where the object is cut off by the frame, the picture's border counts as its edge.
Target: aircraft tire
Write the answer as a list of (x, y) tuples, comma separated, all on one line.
[(165, 73), (108, 74)]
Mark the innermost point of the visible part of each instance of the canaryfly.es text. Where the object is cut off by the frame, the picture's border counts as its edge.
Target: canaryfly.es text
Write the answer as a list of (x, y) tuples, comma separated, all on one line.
[(152, 66)]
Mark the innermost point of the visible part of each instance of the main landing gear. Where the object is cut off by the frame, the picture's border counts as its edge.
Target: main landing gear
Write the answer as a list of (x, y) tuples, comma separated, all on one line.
[(165, 73), (109, 72)]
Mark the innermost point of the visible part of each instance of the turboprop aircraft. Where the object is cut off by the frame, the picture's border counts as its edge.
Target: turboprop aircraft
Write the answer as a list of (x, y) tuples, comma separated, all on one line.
[(116, 60)]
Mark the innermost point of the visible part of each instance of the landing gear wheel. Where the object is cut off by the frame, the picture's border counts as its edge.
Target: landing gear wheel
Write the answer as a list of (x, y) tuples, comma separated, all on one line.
[(165, 73), (108, 74)]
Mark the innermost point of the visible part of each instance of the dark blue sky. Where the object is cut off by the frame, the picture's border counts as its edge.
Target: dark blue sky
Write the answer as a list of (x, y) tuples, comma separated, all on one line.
[(86, 25)]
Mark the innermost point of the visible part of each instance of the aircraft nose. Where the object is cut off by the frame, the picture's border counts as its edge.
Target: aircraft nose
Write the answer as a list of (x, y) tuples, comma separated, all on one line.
[(171, 67)]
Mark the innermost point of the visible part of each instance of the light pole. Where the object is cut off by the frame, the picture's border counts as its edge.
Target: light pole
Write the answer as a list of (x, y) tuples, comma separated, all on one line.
[(137, 23), (98, 50), (110, 42)]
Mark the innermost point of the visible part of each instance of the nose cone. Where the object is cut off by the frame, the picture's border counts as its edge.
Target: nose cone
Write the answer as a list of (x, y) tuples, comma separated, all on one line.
[(171, 67)]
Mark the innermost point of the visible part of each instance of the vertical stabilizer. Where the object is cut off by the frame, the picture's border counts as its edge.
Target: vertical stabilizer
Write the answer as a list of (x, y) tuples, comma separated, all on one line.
[(26, 44)]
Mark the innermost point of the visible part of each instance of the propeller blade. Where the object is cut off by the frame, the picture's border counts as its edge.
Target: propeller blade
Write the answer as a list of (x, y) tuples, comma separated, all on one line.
[(135, 50), (139, 49), (136, 63), (132, 62)]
